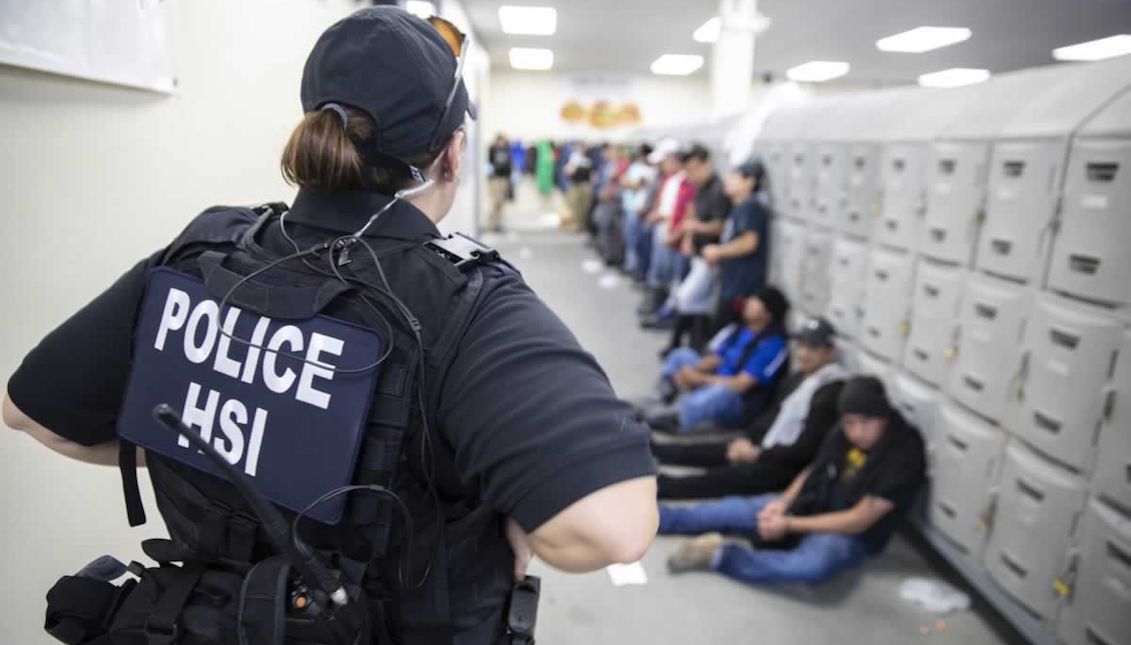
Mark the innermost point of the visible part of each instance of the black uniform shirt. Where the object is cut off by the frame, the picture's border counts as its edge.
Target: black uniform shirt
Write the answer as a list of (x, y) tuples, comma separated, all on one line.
[(529, 415), (711, 205)]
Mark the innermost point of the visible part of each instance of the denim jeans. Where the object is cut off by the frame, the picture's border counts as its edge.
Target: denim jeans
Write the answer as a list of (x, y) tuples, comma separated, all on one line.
[(714, 403), (678, 359), (664, 267), (633, 229), (816, 558)]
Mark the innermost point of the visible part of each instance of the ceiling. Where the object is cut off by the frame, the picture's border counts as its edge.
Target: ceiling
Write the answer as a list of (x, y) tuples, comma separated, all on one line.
[(625, 36)]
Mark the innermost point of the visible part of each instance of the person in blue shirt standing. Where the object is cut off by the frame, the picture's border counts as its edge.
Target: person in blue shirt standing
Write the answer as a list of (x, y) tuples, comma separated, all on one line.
[(744, 247), (732, 382)]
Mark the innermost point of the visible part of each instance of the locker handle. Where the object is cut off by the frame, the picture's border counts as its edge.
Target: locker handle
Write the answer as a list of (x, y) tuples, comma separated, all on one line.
[(973, 383), (1028, 490), (946, 166), (957, 443), (881, 274), (947, 510), (892, 224), (1083, 264), (985, 311), (920, 354), (1102, 171), (827, 160), (1119, 555), (874, 332), (1092, 638), (1013, 168), (898, 164), (859, 163), (1001, 247), (1013, 565), (854, 217), (938, 234), (931, 290), (1064, 339), (1046, 422)]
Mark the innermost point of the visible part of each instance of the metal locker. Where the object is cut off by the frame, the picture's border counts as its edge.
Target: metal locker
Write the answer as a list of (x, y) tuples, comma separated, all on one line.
[(918, 403), (846, 286), (1112, 480), (934, 315), (1037, 507), (791, 246), (967, 457), (869, 364), (956, 180), (1069, 357), (991, 320), (902, 203), (815, 271), (886, 300), (1019, 208), (776, 250), (1090, 256), (862, 193), (848, 355), (830, 189), (1098, 612), (801, 178), (777, 172)]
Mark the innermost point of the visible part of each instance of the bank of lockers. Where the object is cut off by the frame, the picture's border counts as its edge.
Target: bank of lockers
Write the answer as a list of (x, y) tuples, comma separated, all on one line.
[(886, 302), (872, 365), (1069, 357), (1098, 610), (934, 314), (1037, 507), (815, 270), (846, 286), (955, 191), (1112, 479), (986, 368), (967, 459), (1091, 256), (902, 204), (790, 248), (918, 403), (862, 192)]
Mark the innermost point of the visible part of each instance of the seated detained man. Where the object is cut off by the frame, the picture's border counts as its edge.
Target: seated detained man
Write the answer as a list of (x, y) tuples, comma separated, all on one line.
[(733, 383), (837, 513), (781, 442)]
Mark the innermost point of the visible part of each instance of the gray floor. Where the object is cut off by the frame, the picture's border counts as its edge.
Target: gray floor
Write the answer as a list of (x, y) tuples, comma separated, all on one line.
[(704, 608)]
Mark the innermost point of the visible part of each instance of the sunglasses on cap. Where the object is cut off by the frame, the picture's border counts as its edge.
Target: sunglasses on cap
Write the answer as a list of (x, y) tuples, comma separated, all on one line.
[(458, 42)]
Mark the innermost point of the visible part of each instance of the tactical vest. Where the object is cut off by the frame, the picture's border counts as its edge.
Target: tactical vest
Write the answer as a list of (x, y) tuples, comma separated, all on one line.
[(446, 581)]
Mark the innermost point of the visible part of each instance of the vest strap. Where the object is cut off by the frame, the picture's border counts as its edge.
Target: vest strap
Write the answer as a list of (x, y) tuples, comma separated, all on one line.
[(127, 465)]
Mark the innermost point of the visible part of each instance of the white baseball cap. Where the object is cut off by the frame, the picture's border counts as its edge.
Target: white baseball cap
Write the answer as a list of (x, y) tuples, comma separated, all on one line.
[(665, 148)]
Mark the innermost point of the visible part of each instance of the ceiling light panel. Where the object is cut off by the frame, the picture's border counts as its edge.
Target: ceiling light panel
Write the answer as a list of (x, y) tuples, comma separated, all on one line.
[(530, 58), (677, 64), (923, 39), (528, 21), (1109, 47), (817, 71), (954, 77)]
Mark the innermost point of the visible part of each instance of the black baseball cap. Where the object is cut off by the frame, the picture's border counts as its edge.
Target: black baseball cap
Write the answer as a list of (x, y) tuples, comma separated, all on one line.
[(396, 68), (816, 332), (751, 169)]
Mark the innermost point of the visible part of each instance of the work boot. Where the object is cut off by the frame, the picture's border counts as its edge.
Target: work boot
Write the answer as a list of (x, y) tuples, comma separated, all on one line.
[(663, 418), (696, 554), (665, 391)]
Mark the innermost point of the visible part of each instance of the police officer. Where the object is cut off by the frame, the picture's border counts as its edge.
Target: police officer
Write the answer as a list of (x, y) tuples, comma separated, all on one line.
[(344, 334)]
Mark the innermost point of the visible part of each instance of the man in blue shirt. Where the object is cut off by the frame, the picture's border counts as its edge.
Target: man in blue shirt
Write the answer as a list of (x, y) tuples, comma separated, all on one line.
[(743, 248), (732, 381)]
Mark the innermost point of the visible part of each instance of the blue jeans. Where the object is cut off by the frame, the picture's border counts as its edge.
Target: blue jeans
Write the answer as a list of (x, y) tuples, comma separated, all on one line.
[(633, 229), (714, 403), (816, 558), (664, 267)]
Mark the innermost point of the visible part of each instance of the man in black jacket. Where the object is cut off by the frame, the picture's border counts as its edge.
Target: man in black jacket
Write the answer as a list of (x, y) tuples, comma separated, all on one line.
[(782, 441)]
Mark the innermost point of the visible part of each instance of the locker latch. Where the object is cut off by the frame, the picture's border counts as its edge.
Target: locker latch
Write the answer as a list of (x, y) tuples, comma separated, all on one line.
[(1065, 583), (986, 517)]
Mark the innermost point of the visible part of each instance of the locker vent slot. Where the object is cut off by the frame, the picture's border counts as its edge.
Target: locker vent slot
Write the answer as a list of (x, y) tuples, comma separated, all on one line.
[(1046, 423), (881, 274), (985, 311), (1102, 171), (931, 290), (947, 510), (1064, 339), (1001, 247), (1013, 168), (973, 383), (957, 443), (799, 159), (938, 234), (892, 224), (1092, 638), (920, 354), (827, 160), (1014, 566), (859, 162), (1119, 556), (874, 332), (1028, 490), (946, 166), (1083, 264), (854, 217), (898, 165)]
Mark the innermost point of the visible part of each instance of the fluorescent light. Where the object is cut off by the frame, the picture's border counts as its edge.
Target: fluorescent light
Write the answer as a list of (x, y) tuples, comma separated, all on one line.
[(421, 8), (531, 58), (817, 71), (709, 31), (954, 77), (676, 64), (528, 21), (923, 39), (1109, 47)]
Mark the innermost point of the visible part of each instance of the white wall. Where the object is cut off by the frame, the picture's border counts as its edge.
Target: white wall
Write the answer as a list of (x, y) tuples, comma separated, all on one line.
[(94, 177)]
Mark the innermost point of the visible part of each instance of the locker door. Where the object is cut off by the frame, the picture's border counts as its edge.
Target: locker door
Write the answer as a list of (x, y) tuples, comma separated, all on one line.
[(849, 356), (990, 323), (830, 190), (1037, 507), (967, 458), (1019, 207), (862, 197), (1113, 468), (777, 249), (1097, 613), (934, 314), (886, 302), (869, 364), (1090, 256), (815, 271), (800, 188), (846, 286), (956, 185), (903, 186), (1070, 355), (777, 170), (918, 403), (792, 237)]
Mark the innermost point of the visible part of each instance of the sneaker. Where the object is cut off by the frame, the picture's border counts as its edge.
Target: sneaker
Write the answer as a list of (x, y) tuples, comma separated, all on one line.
[(696, 554)]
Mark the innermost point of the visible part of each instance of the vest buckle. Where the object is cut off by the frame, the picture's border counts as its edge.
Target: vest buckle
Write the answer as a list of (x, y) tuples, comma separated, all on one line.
[(461, 250)]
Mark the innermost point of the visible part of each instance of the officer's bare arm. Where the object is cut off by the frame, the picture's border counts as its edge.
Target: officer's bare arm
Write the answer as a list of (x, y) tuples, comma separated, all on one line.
[(614, 524), (104, 454)]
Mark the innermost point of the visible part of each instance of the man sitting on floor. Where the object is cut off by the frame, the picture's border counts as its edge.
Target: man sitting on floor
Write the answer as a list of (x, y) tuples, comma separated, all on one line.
[(783, 440), (838, 512), (733, 383)]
